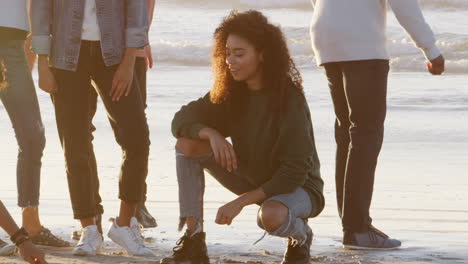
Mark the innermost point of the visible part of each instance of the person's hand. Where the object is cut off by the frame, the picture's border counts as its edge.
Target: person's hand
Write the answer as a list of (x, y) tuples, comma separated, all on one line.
[(436, 66), (122, 81), (222, 149), (46, 77), (31, 254), (228, 212), (149, 57)]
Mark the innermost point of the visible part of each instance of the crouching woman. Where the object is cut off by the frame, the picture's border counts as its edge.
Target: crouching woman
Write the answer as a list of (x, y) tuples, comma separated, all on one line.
[(258, 101)]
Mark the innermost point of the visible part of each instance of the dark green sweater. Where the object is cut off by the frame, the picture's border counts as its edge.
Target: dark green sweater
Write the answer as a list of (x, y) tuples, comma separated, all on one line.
[(278, 155)]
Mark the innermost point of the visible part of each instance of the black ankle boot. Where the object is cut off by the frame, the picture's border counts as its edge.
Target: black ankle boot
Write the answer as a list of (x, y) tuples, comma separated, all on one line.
[(191, 249), (298, 254)]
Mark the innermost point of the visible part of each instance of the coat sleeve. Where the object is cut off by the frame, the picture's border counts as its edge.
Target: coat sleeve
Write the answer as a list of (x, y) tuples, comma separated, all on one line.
[(40, 20), (136, 29)]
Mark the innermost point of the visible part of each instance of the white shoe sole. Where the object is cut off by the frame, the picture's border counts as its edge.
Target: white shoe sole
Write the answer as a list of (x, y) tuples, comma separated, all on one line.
[(84, 253), (351, 247), (116, 239), (7, 250)]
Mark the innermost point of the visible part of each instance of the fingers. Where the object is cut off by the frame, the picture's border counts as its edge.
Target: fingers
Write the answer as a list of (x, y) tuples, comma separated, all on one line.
[(436, 66), (150, 60), (119, 89), (222, 219), (216, 154), (219, 217), (128, 89), (115, 84), (227, 153), (233, 158), (222, 156)]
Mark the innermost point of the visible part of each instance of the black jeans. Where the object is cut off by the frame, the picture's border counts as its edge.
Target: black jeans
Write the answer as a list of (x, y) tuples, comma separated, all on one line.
[(72, 110), (359, 92), (140, 76)]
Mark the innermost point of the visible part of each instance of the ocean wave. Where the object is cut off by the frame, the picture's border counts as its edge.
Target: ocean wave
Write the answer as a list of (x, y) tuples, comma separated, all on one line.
[(300, 4), (271, 4), (405, 57), (445, 4)]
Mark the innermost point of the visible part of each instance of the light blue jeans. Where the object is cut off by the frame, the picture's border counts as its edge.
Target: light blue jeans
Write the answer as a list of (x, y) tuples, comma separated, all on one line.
[(191, 179), (20, 101)]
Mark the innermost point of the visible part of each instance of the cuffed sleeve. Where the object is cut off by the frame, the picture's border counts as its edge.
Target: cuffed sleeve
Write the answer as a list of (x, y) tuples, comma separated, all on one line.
[(136, 31), (41, 44), (431, 53), (191, 118), (410, 16), (40, 17)]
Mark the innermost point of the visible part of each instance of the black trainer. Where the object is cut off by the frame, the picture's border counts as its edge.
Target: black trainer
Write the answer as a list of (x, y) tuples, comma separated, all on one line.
[(298, 254), (189, 249), (373, 239), (144, 217)]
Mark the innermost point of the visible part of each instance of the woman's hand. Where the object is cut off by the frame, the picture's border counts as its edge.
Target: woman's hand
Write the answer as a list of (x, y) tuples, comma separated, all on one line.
[(46, 77), (222, 149), (149, 57), (436, 66), (228, 212), (123, 77), (31, 254)]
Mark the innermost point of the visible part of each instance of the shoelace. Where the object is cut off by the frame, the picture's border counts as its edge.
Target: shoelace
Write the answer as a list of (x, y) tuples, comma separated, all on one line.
[(135, 237), (136, 229), (382, 234), (49, 234), (260, 239), (84, 237), (374, 235), (180, 244)]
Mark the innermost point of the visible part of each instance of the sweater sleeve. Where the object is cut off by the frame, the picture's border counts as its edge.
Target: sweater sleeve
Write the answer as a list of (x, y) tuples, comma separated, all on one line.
[(191, 118), (410, 16), (295, 148)]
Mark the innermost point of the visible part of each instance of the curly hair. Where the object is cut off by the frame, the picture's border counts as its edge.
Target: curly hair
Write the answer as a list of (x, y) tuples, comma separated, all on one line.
[(279, 72), (3, 80)]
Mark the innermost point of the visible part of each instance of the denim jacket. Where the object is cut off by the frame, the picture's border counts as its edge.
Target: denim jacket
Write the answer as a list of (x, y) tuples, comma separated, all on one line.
[(56, 27)]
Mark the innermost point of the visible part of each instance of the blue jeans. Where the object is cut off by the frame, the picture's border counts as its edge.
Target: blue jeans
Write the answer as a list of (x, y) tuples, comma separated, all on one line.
[(191, 180), (20, 101)]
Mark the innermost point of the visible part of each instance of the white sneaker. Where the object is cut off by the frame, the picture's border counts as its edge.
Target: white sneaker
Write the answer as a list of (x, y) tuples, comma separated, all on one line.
[(129, 238), (6, 249), (90, 242), (136, 229)]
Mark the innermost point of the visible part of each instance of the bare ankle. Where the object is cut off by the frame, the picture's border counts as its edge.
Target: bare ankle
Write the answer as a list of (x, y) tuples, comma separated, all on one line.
[(193, 226), (31, 221)]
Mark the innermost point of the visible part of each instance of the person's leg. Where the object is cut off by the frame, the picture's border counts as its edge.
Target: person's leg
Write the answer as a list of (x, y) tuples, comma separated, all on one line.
[(286, 216), (21, 103), (142, 214), (130, 126), (365, 84), (92, 103), (71, 103), (335, 82), (192, 157), (366, 90)]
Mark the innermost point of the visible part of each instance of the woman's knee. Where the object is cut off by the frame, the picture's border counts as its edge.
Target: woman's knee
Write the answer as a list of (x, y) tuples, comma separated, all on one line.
[(193, 147), (272, 215), (32, 144)]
